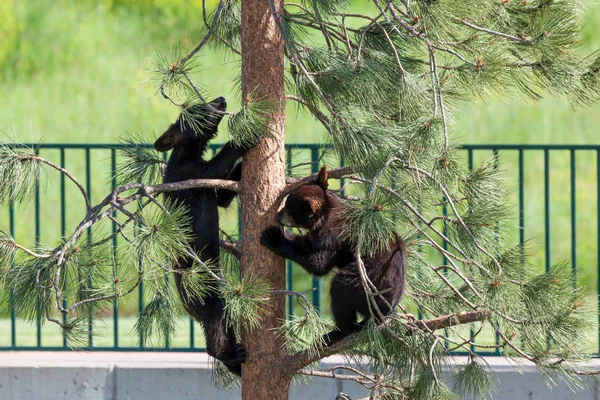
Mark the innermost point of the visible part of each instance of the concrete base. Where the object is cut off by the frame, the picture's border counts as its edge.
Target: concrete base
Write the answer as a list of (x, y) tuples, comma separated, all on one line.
[(178, 376)]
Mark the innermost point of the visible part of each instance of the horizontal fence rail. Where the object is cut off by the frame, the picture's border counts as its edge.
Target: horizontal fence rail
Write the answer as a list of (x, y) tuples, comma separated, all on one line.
[(556, 200)]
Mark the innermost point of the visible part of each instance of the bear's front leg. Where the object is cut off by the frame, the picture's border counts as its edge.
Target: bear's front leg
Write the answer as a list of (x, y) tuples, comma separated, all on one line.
[(273, 238)]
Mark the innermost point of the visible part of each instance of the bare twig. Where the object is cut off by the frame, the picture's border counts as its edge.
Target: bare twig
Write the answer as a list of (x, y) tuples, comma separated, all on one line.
[(495, 33), (206, 37), (208, 26), (230, 247), (26, 250), (314, 110), (448, 321), (62, 171)]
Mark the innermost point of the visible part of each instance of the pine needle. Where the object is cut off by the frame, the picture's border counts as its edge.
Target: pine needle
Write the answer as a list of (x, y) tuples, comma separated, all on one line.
[(251, 123), (19, 174), (142, 164), (244, 299)]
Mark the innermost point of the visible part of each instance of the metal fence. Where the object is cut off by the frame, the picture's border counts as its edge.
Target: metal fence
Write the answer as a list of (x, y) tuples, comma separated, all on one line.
[(556, 198)]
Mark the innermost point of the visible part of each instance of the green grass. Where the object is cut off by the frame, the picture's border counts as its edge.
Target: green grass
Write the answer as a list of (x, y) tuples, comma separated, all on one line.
[(76, 72), (26, 334)]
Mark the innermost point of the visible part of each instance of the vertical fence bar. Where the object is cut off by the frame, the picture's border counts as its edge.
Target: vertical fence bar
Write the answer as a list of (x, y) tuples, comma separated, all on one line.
[(573, 221), (598, 238), (497, 231), (141, 305), (167, 335), (113, 163), (314, 158), (547, 207), (547, 217), (88, 188), (521, 207), (13, 316), (63, 230), (445, 247), (141, 287), (521, 203), (167, 338), (470, 166), (289, 264), (38, 330)]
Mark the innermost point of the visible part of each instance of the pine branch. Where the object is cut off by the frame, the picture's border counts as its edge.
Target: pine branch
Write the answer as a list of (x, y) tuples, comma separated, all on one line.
[(448, 321), (206, 36), (209, 26), (26, 250), (370, 382), (303, 358), (294, 182), (25, 157), (314, 110), (230, 247), (495, 33), (111, 203)]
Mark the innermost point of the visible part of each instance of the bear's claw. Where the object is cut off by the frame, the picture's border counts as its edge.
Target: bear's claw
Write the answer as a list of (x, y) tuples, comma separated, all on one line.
[(271, 237)]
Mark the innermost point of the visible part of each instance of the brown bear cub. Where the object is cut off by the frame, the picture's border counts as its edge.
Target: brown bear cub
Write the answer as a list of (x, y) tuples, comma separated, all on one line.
[(187, 162), (312, 207)]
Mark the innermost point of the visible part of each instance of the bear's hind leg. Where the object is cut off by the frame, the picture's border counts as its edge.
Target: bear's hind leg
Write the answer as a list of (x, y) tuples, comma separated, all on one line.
[(221, 342), (344, 310)]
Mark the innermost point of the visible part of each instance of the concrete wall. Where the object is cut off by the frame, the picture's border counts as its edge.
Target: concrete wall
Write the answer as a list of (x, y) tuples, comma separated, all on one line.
[(178, 376)]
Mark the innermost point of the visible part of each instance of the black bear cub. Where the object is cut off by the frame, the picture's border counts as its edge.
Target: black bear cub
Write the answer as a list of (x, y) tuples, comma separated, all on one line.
[(311, 206), (187, 162)]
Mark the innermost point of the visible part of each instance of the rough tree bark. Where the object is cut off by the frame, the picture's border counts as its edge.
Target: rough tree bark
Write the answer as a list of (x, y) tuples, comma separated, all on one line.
[(263, 178)]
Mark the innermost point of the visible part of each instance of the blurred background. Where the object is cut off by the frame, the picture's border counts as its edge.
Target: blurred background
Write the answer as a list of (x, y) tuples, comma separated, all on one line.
[(77, 72)]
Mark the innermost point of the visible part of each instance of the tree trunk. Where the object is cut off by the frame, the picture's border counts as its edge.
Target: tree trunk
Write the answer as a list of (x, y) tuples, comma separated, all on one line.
[(262, 179)]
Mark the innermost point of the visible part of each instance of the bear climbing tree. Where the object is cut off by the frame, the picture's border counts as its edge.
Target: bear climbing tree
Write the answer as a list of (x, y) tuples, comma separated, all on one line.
[(313, 207), (382, 84), (189, 143)]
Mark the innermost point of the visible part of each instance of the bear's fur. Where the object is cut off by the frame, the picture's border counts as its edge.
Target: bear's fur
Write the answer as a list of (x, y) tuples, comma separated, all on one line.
[(312, 207), (187, 162)]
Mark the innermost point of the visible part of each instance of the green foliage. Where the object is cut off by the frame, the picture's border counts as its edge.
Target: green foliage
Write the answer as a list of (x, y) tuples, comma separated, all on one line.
[(9, 30), (250, 124), (305, 331), (223, 378), (244, 297), (196, 281), (75, 331), (19, 172), (91, 274), (228, 26), (172, 76), (7, 250), (369, 224), (555, 311), (158, 317), (474, 380), (163, 235), (25, 287), (141, 164)]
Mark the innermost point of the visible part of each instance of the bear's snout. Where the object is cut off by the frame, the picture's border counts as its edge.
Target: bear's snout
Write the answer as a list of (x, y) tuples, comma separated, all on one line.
[(284, 218)]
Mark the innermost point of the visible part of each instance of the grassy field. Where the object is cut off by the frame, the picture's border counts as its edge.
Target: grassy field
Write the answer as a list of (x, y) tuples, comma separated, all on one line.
[(77, 72), (104, 335), (26, 334)]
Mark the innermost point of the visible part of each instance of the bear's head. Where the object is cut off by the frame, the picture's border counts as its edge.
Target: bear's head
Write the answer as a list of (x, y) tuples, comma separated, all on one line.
[(203, 126), (306, 204)]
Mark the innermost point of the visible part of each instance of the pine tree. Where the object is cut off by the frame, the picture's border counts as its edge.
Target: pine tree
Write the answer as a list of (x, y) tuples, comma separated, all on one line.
[(384, 86)]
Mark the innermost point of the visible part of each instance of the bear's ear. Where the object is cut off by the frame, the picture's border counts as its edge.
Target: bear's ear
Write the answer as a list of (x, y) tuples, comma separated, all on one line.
[(315, 204), (323, 177), (167, 140)]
